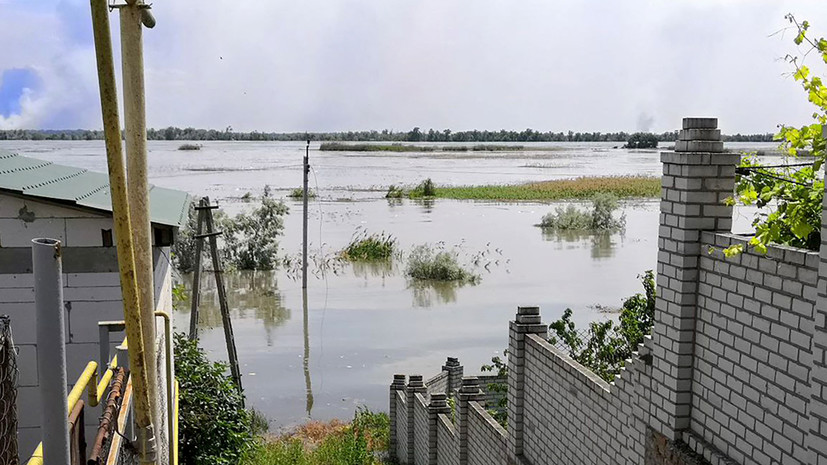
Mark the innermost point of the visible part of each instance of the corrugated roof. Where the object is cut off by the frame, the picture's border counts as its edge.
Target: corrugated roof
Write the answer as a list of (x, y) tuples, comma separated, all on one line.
[(82, 188)]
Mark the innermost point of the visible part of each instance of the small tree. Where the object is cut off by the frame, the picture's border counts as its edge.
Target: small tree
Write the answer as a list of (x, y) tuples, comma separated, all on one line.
[(642, 140)]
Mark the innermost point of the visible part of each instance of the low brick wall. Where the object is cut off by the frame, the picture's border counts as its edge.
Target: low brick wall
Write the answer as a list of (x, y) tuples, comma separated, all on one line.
[(487, 440)]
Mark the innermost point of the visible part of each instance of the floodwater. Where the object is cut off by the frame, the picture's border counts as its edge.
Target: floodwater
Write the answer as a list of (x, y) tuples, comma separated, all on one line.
[(363, 323)]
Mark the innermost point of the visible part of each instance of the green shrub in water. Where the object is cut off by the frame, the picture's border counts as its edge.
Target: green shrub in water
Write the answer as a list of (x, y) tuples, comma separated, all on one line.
[(425, 188), (370, 247), (600, 218), (426, 263)]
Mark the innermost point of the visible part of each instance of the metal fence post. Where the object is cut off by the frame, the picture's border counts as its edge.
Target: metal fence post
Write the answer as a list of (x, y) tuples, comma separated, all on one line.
[(8, 394)]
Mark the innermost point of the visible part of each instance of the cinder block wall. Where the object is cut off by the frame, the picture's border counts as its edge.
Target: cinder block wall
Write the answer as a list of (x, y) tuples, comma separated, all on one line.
[(735, 371)]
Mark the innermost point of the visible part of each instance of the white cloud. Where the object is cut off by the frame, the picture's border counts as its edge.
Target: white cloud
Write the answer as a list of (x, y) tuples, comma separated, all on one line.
[(464, 64)]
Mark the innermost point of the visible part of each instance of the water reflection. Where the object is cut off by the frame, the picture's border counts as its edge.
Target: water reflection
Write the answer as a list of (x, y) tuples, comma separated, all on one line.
[(378, 269), (430, 293), (306, 357), (250, 295), (601, 244)]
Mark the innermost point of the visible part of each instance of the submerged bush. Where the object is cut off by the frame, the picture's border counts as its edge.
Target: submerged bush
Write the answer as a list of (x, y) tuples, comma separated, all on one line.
[(370, 247), (189, 147), (426, 263), (213, 425), (600, 218), (395, 192), (298, 193), (250, 240), (425, 188)]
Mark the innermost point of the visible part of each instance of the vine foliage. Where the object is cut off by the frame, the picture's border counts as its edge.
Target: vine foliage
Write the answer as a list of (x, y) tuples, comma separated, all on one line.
[(789, 197)]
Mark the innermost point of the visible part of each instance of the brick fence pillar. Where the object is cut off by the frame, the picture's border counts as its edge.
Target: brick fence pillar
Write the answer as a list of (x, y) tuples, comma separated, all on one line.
[(817, 439), (527, 322), (438, 404), (469, 392), (697, 177), (397, 385), (454, 370), (415, 385)]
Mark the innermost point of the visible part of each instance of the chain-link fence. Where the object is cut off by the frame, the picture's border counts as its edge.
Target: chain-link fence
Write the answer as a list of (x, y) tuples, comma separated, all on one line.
[(573, 342), (8, 394)]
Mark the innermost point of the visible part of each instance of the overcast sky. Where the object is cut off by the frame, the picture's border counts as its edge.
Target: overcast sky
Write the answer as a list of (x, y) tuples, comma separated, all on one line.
[(328, 65)]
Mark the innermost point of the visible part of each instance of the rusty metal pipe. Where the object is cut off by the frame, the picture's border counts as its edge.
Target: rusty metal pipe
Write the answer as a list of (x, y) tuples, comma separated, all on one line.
[(108, 418)]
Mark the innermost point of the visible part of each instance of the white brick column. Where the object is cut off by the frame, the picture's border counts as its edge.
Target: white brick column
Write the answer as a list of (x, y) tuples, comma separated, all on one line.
[(469, 392), (454, 370), (697, 177), (415, 385), (527, 322), (438, 404), (398, 384), (817, 439)]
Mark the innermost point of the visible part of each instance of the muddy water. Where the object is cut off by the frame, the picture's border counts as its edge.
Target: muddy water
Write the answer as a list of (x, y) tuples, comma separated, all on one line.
[(364, 323)]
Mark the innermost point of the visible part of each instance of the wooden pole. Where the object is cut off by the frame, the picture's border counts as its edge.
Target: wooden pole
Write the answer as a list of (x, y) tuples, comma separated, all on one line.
[(196, 277), (135, 131), (120, 208), (222, 301)]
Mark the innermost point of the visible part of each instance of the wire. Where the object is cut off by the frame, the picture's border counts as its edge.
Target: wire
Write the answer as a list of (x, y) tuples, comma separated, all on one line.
[(748, 172), (324, 271)]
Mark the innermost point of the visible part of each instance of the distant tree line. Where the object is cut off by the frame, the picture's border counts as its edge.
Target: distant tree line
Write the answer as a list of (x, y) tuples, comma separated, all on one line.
[(414, 135)]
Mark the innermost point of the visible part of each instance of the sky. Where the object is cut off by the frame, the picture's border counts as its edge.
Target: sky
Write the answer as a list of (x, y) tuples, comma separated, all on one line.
[(333, 65)]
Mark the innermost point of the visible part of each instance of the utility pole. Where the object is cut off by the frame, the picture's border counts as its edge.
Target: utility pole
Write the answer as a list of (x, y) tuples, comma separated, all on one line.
[(304, 216)]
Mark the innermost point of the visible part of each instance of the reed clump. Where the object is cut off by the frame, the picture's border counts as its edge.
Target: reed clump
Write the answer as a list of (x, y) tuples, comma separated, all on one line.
[(428, 263), (370, 247)]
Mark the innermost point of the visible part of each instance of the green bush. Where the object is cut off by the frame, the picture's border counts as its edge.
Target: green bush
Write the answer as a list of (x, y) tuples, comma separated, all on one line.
[(605, 346), (425, 188), (395, 192), (183, 250), (600, 218), (298, 193), (214, 428), (426, 263), (370, 247), (250, 240)]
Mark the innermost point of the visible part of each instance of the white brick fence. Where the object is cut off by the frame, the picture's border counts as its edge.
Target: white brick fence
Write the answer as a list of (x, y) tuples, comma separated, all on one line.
[(733, 373)]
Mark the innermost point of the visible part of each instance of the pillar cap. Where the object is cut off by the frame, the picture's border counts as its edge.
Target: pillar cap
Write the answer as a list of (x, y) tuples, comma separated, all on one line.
[(700, 123)]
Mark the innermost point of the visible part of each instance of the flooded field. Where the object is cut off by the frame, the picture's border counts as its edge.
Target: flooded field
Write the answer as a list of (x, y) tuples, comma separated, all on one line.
[(365, 323)]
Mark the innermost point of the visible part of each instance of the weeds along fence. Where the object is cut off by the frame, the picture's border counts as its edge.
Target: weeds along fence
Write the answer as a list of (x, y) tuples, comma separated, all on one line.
[(8, 394)]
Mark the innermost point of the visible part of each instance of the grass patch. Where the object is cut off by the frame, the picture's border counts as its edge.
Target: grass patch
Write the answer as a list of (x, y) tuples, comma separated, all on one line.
[(189, 147), (579, 188), (425, 262), (601, 217), (298, 193), (370, 247), (561, 189), (362, 442)]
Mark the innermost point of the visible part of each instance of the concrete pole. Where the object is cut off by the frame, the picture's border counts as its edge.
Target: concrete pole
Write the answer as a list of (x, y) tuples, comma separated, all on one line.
[(51, 350), (137, 183), (304, 216)]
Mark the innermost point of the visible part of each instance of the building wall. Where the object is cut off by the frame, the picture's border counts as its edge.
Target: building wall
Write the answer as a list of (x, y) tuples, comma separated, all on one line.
[(91, 294)]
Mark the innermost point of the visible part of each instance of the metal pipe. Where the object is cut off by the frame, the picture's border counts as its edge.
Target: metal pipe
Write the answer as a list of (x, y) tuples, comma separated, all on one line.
[(51, 349), (132, 58), (170, 379), (120, 210), (108, 418)]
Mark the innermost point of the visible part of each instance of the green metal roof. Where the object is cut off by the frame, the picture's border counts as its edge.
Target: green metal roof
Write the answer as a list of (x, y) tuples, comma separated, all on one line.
[(82, 188)]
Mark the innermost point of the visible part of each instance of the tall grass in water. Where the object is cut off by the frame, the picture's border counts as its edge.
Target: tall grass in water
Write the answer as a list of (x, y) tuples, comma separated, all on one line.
[(425, 188), (600, 219), (339, 147), (362, 442), (426, 263), (579, 188), (370, 247), (298, 193)]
